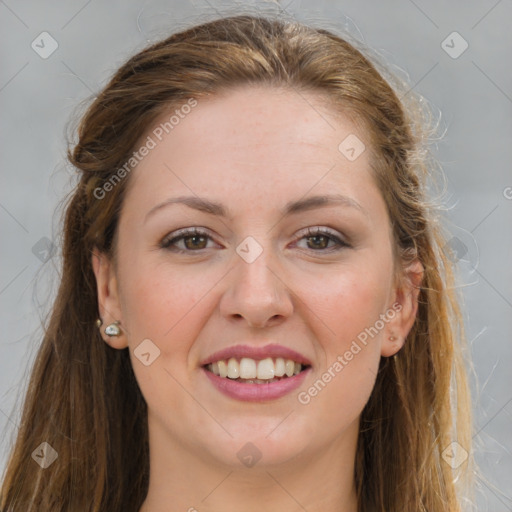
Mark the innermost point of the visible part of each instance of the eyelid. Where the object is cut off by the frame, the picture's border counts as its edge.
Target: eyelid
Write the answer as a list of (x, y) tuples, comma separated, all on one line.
[(323, 230)]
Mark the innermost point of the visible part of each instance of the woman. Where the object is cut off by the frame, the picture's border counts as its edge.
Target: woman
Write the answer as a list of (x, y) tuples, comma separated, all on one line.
[(255, 311)]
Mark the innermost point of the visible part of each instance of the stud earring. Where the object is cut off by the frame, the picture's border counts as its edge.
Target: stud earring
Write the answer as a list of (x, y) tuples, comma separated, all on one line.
[(113, 329), (392, 338)]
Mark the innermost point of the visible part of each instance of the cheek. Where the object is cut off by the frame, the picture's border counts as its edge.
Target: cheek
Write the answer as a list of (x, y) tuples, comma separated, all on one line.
[(347, 306), (349, 300), (170, 309), (165, 306)]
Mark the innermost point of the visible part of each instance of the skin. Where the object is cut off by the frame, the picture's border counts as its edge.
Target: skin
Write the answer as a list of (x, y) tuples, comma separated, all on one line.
[(254, 150)]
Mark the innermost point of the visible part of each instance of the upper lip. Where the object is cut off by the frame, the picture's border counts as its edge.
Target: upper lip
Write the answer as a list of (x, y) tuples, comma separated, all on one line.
[(272, 350)]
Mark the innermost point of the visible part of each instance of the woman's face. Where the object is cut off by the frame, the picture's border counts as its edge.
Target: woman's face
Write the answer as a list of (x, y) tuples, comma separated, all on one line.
[(274, 273)]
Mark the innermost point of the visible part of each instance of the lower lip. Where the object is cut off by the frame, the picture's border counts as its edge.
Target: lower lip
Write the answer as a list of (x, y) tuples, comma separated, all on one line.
[(257, 392)]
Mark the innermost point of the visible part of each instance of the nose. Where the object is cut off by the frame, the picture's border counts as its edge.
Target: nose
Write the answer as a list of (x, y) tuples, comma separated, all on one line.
[(257, 293)]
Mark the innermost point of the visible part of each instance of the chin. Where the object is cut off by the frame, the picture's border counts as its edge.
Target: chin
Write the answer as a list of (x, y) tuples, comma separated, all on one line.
[(260, 443)]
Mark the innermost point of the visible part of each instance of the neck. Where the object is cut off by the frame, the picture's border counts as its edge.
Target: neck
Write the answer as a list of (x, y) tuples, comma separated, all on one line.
[(182, 480)]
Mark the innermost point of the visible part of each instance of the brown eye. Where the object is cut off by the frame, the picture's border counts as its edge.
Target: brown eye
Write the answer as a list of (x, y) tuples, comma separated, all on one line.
[(192, 240), (318, 239)]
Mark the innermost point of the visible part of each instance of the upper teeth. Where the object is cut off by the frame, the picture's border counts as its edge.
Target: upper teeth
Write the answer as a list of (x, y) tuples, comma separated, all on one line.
[(248, 368)]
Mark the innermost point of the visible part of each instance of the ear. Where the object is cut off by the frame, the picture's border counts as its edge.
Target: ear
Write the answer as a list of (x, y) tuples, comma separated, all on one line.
[(108, 298), (405, 306)]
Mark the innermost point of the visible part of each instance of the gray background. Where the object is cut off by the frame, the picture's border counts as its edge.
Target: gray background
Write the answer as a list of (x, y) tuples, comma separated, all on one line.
[(473, 94)]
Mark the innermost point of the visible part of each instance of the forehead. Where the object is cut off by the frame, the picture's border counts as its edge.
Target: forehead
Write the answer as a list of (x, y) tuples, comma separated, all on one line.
[(260, 140), (244, 119)]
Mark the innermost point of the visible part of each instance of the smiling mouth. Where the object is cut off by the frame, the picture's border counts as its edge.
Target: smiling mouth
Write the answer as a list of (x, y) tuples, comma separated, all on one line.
[(252, 371)]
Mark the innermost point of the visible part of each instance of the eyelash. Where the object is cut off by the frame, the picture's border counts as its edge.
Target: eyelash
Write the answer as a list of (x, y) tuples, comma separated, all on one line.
[(191, 232)]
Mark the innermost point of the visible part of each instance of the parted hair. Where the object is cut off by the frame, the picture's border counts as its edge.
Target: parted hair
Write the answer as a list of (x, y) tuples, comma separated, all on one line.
[(83, 398)]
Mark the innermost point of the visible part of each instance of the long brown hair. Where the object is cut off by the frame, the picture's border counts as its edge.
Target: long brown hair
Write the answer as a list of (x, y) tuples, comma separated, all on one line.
[(83, 399)]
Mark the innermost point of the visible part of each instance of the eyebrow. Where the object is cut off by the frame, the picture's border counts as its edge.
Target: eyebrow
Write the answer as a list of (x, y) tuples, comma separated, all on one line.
[(293, 207)]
